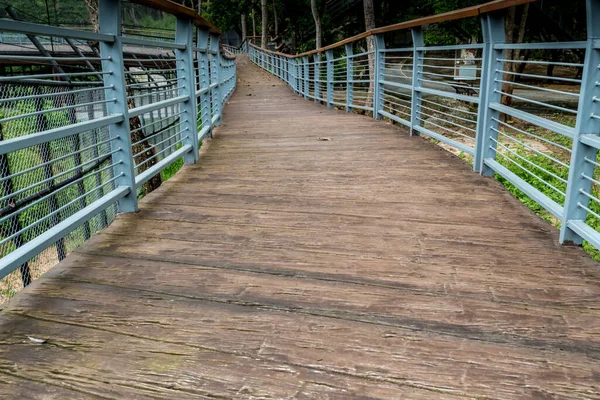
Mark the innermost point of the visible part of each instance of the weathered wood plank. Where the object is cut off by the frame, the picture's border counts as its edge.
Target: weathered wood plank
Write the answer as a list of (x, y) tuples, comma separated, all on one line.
[(372, 265), (276, 337)]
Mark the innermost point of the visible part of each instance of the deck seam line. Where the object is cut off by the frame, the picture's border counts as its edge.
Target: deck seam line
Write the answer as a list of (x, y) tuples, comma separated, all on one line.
[(154, 204), (307, 276), (309, 251), (312, 230), (522, 342)]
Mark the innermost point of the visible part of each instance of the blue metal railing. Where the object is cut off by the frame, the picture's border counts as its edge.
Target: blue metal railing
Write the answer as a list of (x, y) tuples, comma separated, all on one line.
[(82, 133), (535, 122)]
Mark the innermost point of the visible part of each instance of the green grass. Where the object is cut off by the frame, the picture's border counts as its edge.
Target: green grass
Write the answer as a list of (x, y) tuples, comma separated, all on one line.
[(554, 172)]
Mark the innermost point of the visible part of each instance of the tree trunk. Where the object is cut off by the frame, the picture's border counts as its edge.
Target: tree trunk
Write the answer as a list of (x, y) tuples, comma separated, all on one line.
[(134, 19), (275, 21), (244, 28), (369, 25), (92, 9), (264, 24), (253, 24), (199, 7), (317, 18), (514, 34)]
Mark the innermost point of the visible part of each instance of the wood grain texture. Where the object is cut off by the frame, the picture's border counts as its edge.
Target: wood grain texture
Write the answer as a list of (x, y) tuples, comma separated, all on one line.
[(371, 266)]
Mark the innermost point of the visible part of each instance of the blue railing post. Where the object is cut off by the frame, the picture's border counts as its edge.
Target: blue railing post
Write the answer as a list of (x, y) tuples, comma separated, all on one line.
[(306, 76), (494, 33), (330, 77), (204, 80), (415, 106), (294, 69), (349, 76), (486, 58), (109, 20), (586, 137), (215, 53), (187, 87), (317, 76), (378, 75)]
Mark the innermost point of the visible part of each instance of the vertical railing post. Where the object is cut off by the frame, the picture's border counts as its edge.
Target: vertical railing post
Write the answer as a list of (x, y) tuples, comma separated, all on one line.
[(204, 81), (306, 76), (378, 76), (486, 58), (495, 33), (317, 77), (330, 77), (349, 76), (109, 21), (216, 92), (417, 67), (588, 123), (294, 73), (187, 87)]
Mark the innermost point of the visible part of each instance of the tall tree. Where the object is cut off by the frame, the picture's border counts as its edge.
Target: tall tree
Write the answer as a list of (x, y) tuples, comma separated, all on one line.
[(253, 24), (244, 27), (275, 20), (369, 11), (315, 12), (515, 33), (264, 23), (92, 9)]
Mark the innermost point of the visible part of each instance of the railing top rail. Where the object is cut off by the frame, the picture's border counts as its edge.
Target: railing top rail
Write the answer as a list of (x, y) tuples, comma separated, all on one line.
[(225, 45), (179, 10), (228, 55), (472, 11)]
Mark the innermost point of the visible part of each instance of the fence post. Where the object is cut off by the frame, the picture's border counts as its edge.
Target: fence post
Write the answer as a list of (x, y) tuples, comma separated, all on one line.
[(204, 80), (378, 76), (495, 33), (486, 57), (294, 77), (415, 106), (109, 21), (349, 76), (187, 86), (216, 92), (330, 86), (306, 73), (317, 77), (588, 123)]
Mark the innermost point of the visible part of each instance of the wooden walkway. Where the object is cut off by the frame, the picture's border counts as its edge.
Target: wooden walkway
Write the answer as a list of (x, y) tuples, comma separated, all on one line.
[(371, 265)]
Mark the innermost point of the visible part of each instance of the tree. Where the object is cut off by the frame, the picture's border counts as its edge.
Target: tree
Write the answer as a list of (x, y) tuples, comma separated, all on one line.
[(92, 9), (515, 33), (317, 18), (369, 25), (264, 23), (275, 20), (244, 28)]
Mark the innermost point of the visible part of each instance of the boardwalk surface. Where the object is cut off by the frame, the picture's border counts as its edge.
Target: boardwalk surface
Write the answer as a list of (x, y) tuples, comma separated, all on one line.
[(282, 266)]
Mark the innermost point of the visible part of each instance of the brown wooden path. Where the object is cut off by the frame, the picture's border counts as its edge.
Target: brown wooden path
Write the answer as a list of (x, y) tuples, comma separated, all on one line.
[(372, 265)]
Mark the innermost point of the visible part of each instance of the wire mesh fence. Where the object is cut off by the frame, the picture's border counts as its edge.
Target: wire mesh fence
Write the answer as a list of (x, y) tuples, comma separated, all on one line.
[(61, 147)]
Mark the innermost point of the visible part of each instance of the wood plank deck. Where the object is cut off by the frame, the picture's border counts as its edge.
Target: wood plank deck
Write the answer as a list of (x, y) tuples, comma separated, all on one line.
[(372, 265)]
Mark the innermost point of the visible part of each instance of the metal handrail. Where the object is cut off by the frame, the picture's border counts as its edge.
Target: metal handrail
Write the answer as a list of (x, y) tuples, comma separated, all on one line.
[(83, 129), (458, 100)]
